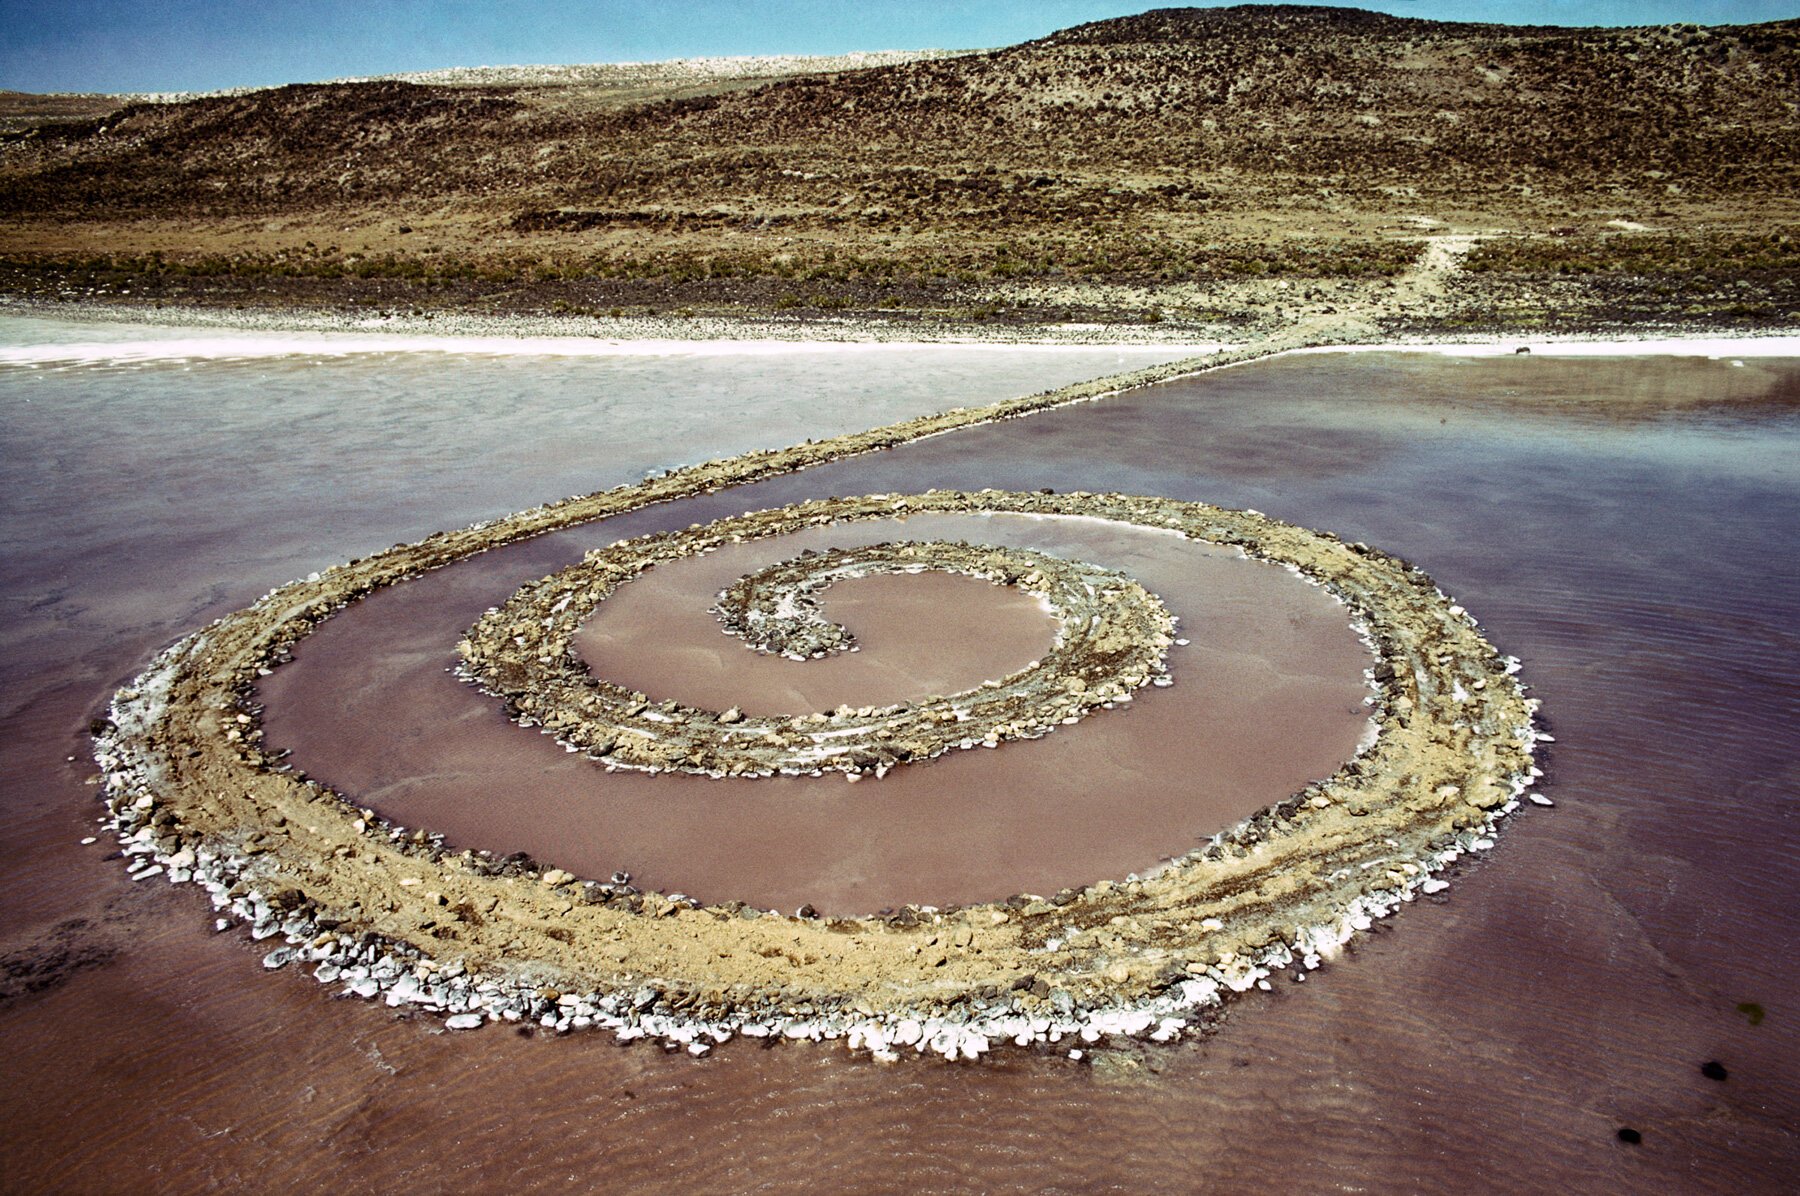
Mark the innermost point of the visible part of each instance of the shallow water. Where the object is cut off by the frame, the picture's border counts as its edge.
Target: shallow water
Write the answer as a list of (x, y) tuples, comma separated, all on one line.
[(1637, 556), (1268, 696)]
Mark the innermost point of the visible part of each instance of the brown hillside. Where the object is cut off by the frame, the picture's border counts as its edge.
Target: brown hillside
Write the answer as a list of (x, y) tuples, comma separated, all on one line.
[(1150, 107), (1175, 144)]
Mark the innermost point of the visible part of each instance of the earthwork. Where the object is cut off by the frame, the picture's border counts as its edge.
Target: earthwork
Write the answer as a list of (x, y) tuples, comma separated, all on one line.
[(391, 911)]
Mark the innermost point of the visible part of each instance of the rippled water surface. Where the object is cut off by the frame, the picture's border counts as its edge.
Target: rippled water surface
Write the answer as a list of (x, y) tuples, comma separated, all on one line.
[(1628, 527)]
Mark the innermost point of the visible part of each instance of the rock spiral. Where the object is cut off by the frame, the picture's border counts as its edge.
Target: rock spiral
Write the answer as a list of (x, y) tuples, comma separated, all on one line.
[(190, 788), (1112, 637)]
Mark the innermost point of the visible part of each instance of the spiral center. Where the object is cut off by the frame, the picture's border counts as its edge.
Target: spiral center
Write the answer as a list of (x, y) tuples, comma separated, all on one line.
[(914, 635), (1113, 636)]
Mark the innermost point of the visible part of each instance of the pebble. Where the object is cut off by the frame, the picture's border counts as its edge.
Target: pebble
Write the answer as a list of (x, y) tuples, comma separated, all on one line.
[(464, 1021)]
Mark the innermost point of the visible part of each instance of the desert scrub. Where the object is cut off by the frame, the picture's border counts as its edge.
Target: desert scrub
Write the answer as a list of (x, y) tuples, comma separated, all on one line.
[(1639, 253), (325, 264), (822, 277), (1128, 256)]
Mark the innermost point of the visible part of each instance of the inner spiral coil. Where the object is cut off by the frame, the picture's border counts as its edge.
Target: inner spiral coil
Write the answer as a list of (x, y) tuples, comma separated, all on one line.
[(1112, 637)]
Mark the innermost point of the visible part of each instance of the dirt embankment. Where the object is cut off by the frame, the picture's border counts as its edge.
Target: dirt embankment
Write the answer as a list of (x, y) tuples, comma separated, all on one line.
[(189, 782), (1112, 638)]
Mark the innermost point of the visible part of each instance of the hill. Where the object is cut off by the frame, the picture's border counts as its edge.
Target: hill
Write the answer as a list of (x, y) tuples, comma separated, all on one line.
[(1173, 146)]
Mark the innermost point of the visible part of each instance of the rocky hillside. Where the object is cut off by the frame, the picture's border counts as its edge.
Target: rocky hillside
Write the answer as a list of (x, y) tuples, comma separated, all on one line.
[(1175, 144), (1319, 94)]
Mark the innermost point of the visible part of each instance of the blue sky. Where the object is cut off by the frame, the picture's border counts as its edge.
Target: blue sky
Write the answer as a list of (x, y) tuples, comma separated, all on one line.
[(171, 45)]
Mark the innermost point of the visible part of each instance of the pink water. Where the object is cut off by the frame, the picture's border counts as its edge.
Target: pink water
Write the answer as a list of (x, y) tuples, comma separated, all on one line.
[(1492, 1038)]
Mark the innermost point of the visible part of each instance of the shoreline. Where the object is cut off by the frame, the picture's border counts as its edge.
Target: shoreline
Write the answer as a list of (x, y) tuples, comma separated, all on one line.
[(301, 330), (462, 325), (312, 332)]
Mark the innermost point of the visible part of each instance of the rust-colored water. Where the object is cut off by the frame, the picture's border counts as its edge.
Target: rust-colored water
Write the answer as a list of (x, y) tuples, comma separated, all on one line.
[(1493, 1038)]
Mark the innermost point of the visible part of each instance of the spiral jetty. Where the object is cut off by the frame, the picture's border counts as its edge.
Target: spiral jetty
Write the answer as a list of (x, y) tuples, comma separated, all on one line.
[(391, 913)]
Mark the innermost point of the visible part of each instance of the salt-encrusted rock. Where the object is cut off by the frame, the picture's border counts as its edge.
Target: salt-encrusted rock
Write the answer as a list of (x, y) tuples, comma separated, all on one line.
[(464, 1021)]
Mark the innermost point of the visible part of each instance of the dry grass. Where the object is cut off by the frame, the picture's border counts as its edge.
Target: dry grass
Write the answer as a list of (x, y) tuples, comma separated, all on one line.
[(1179, 148)]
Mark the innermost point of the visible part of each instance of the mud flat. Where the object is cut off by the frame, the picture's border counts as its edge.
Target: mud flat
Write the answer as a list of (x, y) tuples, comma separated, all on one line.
[(389, 911)]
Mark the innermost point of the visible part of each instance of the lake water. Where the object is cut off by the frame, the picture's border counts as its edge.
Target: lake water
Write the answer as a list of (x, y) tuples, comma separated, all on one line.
[(1627, 526)]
